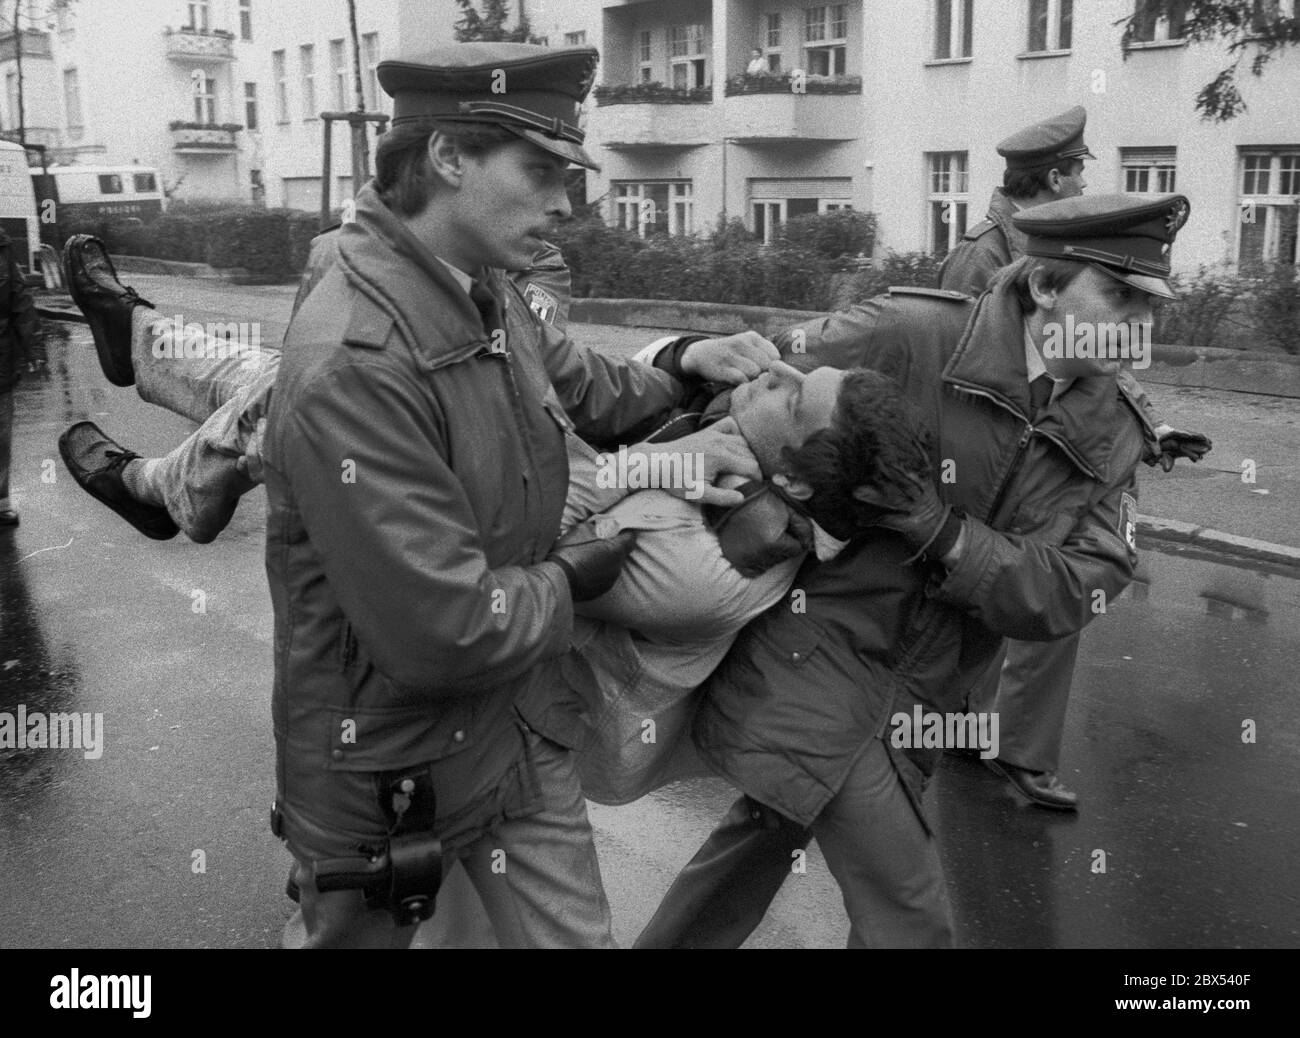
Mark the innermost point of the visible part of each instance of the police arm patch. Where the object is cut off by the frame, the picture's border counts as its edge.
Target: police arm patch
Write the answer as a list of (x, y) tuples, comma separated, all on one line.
[(1127, 527), (541, 302)]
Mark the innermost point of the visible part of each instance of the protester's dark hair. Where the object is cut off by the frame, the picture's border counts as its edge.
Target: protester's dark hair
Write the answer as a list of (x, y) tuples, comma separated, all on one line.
[(1025, 183), (876, 437), (1057, 276), (403, 176)]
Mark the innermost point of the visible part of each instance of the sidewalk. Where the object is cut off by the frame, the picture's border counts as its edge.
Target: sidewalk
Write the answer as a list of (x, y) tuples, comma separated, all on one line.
[(1193, 503)]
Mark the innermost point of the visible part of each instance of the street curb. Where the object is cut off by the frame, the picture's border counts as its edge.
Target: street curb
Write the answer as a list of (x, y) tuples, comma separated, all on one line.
[(1204, 537), (1192, 367), (1154, 527)]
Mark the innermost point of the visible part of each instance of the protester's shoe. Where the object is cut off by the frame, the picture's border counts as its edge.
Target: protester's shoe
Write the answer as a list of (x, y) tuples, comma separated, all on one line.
[(8, 517), (1038, 787), (96, 463), (107, 303)]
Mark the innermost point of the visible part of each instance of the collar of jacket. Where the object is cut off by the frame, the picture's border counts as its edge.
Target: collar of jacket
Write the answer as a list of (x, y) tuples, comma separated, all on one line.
[(990, 360), (377, 254), (1001, 209)]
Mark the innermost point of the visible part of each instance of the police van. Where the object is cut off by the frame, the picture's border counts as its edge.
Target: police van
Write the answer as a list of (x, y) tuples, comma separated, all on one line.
[(18, 216), (101, 192)]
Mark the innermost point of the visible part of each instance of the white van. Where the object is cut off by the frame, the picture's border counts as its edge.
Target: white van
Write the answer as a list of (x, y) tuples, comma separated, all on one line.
[(18, 205), (103, 192)]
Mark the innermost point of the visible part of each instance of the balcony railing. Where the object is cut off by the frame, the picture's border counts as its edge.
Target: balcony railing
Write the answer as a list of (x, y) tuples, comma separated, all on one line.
[(191, 45), (786, 83), (651, 94), (204, 138)]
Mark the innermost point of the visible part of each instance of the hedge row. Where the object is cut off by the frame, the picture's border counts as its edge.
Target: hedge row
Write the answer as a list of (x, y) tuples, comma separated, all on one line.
[(271, 244)]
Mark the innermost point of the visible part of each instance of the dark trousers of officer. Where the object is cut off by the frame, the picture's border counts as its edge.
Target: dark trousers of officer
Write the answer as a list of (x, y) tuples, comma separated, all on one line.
[(885, 862)]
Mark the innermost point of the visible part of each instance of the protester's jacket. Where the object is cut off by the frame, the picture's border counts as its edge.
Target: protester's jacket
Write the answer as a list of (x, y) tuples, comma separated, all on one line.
[(988, 247), (1050, 508), (415, 483), (20, 334)]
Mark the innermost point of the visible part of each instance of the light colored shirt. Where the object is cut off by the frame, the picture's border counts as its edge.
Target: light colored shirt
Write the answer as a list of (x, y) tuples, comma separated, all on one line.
[(1035, 367)]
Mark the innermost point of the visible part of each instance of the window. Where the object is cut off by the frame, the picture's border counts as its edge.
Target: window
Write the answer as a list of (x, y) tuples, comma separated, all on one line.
[(1149, 26), (774, 201), (686, 61), (657, 207), (953, 20), (772, 43), (205, 98), (11, 97), (1051, 25), (825, 39), (198, 16), (250, 105), (144, 182), (1267, 11), (948, 197), (307, 65), (575, 39), (110, 184), (61, 19), (72, 98), (370, 81), (339, 73), (1270, 207), (281, 86), (645, 67), (245, 19), (1148, 171)]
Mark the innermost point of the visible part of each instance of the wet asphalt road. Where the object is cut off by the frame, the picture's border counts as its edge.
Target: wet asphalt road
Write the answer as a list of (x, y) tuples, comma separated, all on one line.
[(171, 642)]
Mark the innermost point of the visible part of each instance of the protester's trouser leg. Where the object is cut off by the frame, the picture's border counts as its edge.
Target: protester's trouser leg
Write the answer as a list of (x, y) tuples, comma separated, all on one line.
[(1028, 686), (722, 894), (199, 480), (886, 863), (191, 375), (6, 439)]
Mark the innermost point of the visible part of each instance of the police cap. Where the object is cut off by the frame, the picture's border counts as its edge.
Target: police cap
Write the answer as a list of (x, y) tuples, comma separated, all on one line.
[(1046, 143), (534, 92), (1125, 236)]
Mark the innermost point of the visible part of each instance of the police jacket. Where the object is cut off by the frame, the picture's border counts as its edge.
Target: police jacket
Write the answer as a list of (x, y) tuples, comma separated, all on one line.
[(1050, 509), (984, 249), (20, 334), (415, 482)]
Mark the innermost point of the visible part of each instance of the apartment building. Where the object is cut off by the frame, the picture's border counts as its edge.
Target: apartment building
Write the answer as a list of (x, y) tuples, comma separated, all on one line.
[(895, 107), (156, 83)]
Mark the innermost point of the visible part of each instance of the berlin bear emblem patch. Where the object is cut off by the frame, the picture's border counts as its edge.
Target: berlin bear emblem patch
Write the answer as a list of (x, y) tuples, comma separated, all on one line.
[(542, 303), (1128, 521)]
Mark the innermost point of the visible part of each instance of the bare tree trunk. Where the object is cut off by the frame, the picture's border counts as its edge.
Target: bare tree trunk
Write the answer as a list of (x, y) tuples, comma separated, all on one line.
[(18, 59), (360, 141)]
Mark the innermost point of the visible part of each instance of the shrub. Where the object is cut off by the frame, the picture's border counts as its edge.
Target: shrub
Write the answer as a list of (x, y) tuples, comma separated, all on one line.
[(833, 236), (1276, 313), (1202, 315), (255, 239)]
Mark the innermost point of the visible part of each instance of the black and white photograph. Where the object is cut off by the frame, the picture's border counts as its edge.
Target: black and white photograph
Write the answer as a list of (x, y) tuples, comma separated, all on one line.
[(652, 474)]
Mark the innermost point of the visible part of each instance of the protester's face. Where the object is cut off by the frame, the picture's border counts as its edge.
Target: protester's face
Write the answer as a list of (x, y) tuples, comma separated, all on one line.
[(781, 408), (509, 200), (1094, 299)]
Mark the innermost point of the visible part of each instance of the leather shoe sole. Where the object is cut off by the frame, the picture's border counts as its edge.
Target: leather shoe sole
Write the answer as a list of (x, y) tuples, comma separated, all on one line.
[(1038, 787), (107, 303), (96, 463)]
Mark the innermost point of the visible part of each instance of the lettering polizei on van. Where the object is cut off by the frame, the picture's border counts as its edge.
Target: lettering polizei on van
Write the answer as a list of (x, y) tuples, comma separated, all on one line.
[(92, 193)]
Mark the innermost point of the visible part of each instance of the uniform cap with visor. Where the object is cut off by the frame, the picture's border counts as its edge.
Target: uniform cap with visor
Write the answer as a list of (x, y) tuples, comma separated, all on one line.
[(1048, 142), (1127, 237), (534, 92)]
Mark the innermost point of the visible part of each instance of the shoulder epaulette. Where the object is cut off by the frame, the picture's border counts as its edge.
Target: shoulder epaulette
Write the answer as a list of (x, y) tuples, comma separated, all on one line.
[(979, 230), (368, 323), (933, 293)]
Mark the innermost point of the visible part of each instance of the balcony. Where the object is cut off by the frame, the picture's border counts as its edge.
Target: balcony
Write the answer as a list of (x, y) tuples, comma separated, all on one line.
[(35, 45), (191, 45), (776, 108), (651, 115), (204, 138)]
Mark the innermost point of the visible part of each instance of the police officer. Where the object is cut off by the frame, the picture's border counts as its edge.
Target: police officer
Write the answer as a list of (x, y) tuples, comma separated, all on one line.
[(1029, 684), (912, 610), (416, 473)]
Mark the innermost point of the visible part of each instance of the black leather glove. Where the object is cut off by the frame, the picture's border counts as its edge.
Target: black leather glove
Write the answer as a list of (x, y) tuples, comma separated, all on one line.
[(1175, 444), (911, 506), (591, 563)]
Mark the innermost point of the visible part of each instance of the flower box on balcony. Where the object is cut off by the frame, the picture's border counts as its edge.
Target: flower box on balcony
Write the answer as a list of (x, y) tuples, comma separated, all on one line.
[(651, 93), (784, 83)]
